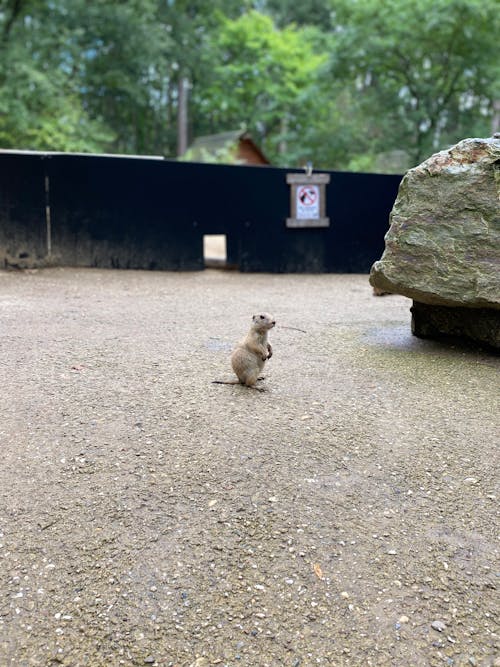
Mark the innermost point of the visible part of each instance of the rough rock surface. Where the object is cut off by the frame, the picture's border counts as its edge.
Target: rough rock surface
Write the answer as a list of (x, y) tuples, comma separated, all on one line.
[(479, 324), (443, 245)]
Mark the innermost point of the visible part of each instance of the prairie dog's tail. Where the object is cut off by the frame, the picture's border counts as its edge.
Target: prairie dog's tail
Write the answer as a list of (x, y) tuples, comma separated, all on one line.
[(226, 382)]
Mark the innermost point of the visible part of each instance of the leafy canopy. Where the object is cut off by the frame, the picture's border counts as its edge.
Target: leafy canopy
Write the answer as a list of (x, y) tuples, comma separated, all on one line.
[(341, 82)]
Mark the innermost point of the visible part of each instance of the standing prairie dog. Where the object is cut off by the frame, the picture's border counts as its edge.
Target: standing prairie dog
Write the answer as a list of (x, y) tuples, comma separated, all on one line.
[(251, 353)]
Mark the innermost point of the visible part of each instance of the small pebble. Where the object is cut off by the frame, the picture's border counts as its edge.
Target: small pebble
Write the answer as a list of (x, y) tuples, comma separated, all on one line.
[(438, 625)]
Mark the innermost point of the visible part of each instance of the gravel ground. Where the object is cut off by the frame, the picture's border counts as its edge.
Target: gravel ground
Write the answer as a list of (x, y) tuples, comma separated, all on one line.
[(343, 516)]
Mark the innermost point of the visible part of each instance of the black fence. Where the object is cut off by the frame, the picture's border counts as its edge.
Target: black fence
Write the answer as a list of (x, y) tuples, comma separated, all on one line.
[(139, 213)]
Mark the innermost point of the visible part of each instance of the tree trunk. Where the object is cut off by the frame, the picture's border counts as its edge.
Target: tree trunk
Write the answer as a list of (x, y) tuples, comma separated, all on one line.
[(15, 10), (495, 121), (182, 116), (283, 145)]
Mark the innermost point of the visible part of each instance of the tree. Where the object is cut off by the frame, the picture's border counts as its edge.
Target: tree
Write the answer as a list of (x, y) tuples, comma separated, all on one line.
[(424, 72), (262, 79), (121, 59), (335, 81), (190, 24), (40, 104)]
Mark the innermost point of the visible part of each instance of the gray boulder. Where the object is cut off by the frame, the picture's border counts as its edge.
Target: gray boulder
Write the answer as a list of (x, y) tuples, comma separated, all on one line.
[(443, 245)]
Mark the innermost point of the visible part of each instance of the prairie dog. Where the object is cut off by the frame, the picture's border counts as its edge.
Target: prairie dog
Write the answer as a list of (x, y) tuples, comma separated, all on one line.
[(251, 353)]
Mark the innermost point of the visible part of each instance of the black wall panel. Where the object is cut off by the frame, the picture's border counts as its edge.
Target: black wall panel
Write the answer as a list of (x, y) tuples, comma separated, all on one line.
[(23, 232), (152, 214)]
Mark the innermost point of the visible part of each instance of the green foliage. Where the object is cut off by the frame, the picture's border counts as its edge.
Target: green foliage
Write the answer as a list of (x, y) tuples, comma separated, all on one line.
[(262, 77), (121, 61), (307, 12), (40, 105), (429, 65), (344, 83)]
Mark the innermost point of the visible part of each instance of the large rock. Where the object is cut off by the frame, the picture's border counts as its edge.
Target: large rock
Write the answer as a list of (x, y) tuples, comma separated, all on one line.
[(443, 244)]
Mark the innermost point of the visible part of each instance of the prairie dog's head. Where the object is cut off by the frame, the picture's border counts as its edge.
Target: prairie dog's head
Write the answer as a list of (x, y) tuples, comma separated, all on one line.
[(263, 322)]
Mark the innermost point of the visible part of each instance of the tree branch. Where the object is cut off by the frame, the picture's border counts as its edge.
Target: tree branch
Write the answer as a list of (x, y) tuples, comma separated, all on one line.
[(15, 9)]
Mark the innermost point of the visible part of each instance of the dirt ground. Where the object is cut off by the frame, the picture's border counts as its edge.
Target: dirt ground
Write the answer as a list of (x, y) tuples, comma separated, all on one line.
[(345, 516)]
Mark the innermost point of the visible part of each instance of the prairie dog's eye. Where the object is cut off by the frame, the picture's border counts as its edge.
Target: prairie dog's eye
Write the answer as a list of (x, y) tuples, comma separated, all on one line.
[(262, 317)]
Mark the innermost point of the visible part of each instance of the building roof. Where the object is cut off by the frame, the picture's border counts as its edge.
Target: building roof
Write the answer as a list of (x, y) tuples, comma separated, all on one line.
[(213, 143)]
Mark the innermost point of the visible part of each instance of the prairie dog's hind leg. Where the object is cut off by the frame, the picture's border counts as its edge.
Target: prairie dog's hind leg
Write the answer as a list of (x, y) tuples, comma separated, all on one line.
[(250, 377)]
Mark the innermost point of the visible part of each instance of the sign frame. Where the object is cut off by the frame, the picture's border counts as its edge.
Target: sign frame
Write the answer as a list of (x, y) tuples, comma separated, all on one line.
[(297, 219)]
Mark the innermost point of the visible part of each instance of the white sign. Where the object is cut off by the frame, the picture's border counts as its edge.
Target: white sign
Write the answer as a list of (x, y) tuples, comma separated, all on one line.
[(307, 202)]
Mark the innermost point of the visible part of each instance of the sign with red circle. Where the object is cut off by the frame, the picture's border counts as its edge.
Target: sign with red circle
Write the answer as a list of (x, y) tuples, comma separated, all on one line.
[(307, 202)]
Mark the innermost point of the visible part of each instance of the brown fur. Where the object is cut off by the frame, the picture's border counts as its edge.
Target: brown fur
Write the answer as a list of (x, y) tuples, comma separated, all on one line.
[(249, 356)]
